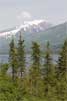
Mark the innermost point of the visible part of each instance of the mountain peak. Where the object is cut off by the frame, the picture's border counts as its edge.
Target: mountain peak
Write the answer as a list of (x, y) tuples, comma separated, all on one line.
[(34, 22), (28, 26)]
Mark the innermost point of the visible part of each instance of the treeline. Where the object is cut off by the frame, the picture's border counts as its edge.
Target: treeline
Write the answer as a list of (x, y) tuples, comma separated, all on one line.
[(48, 82)]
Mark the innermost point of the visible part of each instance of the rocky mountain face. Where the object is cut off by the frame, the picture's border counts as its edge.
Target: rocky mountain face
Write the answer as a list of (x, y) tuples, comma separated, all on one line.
[(37, 30)]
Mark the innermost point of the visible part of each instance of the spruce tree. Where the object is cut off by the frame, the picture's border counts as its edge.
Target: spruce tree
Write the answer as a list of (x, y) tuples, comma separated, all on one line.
[(62, 73), (21, 55), (48, 73), (36, 54), (62, 61), (13, 59), (35, 73), (48, 59)]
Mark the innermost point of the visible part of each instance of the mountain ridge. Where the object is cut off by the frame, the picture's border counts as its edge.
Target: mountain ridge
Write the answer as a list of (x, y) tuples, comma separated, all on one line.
[(29, 26), (55, 35)]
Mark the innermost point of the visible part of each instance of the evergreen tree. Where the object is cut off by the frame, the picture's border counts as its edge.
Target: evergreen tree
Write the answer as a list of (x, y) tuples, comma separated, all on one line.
[(21, 55), (48, 58), (62, 61), (13, 59), (35, 73), (49, 73), (36, 54), (62, 73)]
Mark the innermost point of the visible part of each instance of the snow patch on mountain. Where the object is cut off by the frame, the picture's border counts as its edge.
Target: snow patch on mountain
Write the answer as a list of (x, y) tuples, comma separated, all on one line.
[(29, 26), (35, 22)]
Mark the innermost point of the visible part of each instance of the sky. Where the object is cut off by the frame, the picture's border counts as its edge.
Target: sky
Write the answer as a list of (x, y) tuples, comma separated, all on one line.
[(16, 12)]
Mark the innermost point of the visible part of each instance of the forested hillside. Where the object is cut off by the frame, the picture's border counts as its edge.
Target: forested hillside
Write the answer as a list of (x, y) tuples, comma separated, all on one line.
[(41, 82)]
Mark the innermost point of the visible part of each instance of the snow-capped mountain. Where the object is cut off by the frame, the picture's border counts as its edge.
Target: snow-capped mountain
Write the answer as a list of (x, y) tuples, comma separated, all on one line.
[(38, 31), (29, 26)]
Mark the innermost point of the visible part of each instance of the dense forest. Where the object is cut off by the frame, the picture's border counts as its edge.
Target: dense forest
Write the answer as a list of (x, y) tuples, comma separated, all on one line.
[(41, 81)]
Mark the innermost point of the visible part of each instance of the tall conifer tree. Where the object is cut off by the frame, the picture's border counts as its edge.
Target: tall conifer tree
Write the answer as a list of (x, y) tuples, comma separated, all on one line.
[(49, 72), (35, 73), (13, 59), (21, 55), (62, 73), (62, 62)]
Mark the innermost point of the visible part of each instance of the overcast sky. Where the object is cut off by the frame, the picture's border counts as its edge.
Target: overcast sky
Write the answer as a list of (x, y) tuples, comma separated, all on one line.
[(15, 12)]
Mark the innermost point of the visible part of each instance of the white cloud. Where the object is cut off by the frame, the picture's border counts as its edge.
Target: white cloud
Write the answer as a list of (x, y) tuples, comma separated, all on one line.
[(24, 16)]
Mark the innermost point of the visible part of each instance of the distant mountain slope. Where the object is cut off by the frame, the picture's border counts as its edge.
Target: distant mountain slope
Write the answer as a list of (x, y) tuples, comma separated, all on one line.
[(29, 26), (55, 35)]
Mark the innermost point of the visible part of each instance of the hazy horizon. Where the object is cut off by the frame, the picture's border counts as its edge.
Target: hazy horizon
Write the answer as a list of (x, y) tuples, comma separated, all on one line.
[(15, 12)]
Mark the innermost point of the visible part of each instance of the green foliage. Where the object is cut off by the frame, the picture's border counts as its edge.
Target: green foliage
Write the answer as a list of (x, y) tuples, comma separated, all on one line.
[(62, 73), (49, 75), (9, 91), (13, 59), (4, 68), (35, 72), (36, 82), (62, 62), (21, 56), (51, 85), (36, 54)]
